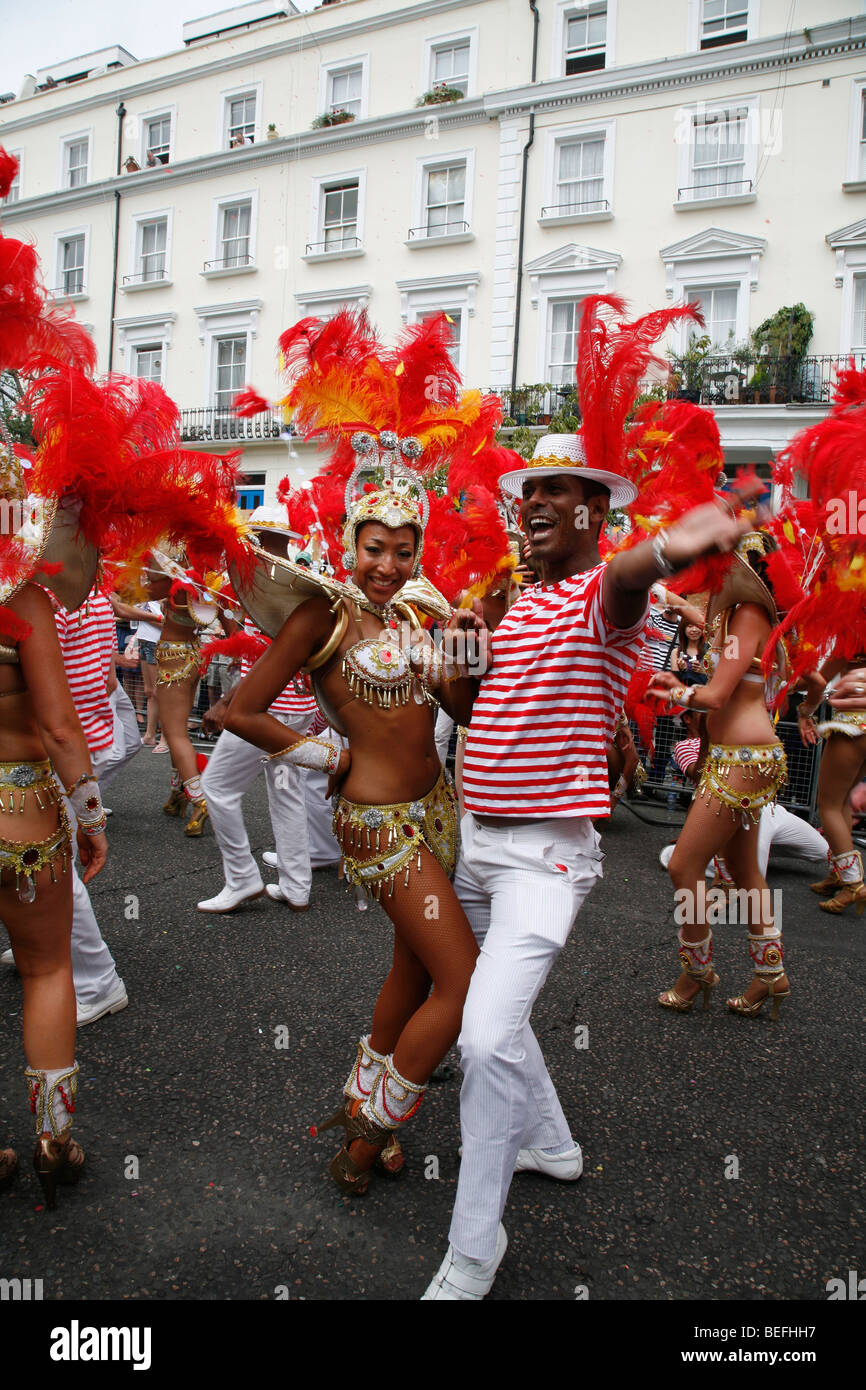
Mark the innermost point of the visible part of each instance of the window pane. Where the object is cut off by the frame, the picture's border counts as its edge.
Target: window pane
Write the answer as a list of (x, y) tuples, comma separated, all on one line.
[(148, 363), (859, 311), (158, 140), (562, 344), (153, 243), (719, 151), (451, 66), (236, 234), (72, 265), (76, 163), (242, 119), (340, 218), (231, 368), (346, 91), (580, 186), (446, 191)]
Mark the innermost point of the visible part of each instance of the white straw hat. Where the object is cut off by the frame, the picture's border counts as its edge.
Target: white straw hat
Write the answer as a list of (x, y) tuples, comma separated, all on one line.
[(565, 454)]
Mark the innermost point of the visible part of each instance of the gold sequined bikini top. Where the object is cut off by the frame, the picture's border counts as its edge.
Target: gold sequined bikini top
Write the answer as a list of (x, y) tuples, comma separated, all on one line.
[(376, 669), (754, 674)]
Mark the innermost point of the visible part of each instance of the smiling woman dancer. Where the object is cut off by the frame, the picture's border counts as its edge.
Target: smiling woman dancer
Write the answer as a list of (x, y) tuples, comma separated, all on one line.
[(395, 817), (743, 771)]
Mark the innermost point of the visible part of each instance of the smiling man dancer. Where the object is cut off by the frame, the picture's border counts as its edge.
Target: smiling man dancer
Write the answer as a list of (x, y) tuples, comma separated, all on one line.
[(534, 774)]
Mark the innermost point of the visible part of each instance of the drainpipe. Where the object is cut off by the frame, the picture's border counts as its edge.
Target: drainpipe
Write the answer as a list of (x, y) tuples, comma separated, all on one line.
[(526, 149), (121, 112)]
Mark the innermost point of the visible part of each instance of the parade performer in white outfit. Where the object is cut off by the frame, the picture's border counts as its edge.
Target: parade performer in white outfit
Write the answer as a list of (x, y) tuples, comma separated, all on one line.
[(234, 766), (535, 772)]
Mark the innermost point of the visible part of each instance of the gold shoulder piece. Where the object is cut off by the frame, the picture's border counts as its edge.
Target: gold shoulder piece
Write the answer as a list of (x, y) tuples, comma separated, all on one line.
[(421, 594), (326, 651)]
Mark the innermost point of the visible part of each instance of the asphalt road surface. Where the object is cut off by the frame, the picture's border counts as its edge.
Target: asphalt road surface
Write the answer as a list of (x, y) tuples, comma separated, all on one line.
[(723, 1155)]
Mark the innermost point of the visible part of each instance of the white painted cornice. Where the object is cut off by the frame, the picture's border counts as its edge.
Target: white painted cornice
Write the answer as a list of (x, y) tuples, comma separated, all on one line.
[(825, 41), (574, 257), (852, 235), (305, 36), (310, 144), (713, 242)]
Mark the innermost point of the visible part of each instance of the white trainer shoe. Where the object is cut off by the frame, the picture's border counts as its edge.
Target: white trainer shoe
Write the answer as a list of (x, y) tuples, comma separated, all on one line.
[(231, 898), (460, 1278), (111, 1004), (270, 858), (566, 1167), (275, 892)]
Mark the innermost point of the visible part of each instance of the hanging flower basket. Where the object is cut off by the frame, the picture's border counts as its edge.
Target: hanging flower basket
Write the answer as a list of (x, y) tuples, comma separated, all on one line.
[(333, 118), (439, 95)]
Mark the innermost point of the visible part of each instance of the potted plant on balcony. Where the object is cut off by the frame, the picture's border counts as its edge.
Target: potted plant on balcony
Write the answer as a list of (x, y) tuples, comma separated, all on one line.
[(687, 377), (338, 117), (440, 93), (781, 342), (272, 132)]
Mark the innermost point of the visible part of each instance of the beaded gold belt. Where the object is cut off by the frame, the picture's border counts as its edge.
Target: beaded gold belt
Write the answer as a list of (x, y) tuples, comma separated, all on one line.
[(36, 778), (766, 760), (395, 834), (850, 722), (187, 652), (25, 858)]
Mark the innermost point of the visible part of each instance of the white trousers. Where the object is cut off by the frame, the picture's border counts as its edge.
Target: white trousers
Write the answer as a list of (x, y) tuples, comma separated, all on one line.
[(94, 972), (127, 738), (777, 826), (233, 767), (521, 889), (324, 845)]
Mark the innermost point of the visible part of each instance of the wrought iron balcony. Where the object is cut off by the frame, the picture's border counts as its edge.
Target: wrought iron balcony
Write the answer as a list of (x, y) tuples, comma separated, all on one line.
[(212, 424), (576, 209), (694, 192), (324, 248), (723, 380), (429, 233), (234, 262), (146, 277)]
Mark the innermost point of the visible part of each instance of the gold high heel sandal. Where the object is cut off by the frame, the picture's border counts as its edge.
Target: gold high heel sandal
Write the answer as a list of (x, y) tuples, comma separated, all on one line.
[(696, 959), (767, 958), (848, 894), (828, 884), (56, 1161), (176, 804), (748, 1009), (8, 1168), (346, 1173), (197, 821), (390, 1161)]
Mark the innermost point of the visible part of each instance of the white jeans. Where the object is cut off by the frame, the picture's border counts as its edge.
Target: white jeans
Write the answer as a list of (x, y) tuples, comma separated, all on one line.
[(127, 739), (521, 888), (94, 972), (233, 767)]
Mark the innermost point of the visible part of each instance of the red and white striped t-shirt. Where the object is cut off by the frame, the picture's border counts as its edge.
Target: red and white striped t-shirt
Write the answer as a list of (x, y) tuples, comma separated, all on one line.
[(296, 698), (548, 708), (686, 753), (88, 640)]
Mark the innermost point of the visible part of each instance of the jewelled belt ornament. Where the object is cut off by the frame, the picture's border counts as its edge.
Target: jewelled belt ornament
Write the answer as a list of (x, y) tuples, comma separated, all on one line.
[(396, 834), (26, 858), (762, 760), (188, 652), (36, 778), (851, 722)]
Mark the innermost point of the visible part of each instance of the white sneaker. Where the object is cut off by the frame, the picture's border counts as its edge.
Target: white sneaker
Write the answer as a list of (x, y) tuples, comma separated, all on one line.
[(7, 958), (460, 1278), (566, 1167), (270, 858), (275, 892), (230, 898), (111, 1004)]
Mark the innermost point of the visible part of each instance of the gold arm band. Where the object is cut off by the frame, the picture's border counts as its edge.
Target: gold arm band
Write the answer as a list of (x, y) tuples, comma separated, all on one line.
[(326, 651)]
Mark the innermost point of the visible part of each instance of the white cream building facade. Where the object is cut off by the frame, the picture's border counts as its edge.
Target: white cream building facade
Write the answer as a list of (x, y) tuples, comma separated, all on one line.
[(659, 149)]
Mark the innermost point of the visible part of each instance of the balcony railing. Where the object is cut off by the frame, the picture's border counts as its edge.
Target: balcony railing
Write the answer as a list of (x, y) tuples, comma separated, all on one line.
[(426, 233), (574, 208), (695, 192), (212, 425), (235, 262), (718, 381), (146, 277), (337, 244)]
